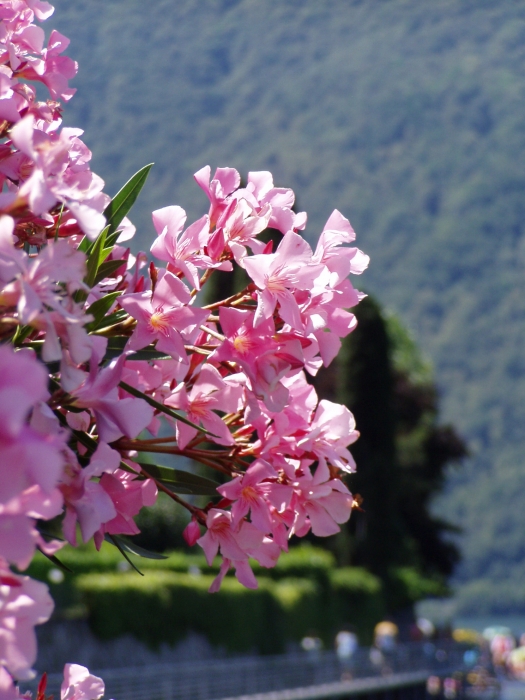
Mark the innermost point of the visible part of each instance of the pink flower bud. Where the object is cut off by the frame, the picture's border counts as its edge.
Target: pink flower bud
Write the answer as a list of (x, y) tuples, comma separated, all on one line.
[(191, 533)]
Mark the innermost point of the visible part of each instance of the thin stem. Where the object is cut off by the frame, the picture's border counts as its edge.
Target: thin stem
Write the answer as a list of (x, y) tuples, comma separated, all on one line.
[(150, 441), (59, 221), (242, 304), (199, 455), (161, 407), (202, 281), (199, 351), (228, 301), (193, 510), (209, 331)]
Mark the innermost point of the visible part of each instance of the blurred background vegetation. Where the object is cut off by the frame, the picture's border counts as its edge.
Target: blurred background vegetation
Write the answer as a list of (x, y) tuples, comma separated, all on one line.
[(391, 554), (407, 115)]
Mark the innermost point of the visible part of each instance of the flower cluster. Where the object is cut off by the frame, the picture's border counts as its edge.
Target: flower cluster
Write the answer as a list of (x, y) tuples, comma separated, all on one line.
[(103, 356)]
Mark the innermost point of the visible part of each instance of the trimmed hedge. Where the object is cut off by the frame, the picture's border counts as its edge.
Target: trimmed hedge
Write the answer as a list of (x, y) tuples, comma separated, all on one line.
[(163, 606), (303, 561), (304, 594), (358, 599)]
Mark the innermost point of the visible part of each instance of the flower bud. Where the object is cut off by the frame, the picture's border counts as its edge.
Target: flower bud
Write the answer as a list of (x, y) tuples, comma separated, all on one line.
[(191, 532)]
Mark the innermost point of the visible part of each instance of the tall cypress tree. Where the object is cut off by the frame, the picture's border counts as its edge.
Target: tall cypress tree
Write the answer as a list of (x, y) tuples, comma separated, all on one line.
[(365, 384), (401, 455)]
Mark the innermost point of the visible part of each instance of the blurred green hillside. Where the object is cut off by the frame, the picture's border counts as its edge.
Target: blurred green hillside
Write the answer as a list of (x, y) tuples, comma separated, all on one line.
[(407, 115)]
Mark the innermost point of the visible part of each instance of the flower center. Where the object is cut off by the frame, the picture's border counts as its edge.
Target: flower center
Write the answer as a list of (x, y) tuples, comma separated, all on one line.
[(249, 493), (275, 284), (159, 322), (199, 406), (242, 344)]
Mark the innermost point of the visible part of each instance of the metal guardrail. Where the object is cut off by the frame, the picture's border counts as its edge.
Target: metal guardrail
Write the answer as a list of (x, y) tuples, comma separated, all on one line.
[(311, 674), (363, 687)]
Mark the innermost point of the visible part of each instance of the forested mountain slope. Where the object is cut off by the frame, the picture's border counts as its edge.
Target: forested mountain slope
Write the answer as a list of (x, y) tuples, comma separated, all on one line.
[(407, 115)]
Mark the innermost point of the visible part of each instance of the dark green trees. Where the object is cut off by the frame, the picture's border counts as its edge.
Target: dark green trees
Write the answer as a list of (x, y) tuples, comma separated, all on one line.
[(402, 456)]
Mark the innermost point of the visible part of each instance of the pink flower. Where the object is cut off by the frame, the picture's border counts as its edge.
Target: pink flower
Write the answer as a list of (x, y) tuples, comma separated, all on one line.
[(256, 492), (280, 199), (129, 495), (115, 416), (53, 70), (12, 260), (332, 430), (164, 317), (80, 684), (239, 224), (182, 251), (340, 261), (224, 182), (191, 532), (8, 691), (278, 275), (87, 502), (39, 284), (320, 506), (18, 535), (24, 603), (60, 174), (264, 356), (26, 456), (235, 546), (209, 394)]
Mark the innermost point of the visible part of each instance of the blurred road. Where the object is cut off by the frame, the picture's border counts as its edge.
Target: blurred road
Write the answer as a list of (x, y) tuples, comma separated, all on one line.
[(512, 690)]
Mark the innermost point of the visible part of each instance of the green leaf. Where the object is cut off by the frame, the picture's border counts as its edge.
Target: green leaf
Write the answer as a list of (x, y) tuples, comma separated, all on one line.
[(124, 200), (111, 238), (21, 333), (83, 438), (96, 254), (84, 245), (111, 320), (56, 561), (135, 549), (99, 309), (117, 344), (148, 354), (180, 481), (162, 408), (106, 269), (117, 541)]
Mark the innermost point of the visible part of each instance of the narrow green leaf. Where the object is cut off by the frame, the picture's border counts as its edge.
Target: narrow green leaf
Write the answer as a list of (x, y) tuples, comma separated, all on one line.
[(84, 245), (118, 342), (161, 407), (56, 561), (113, 539), (95, 257), (113, 351), (21, 333), (83, 438), (148, 354), (100, 308), (100, 241), (106, 269), (133, 548), (111, 320), (124, 200), (111, 239), (180, 481)]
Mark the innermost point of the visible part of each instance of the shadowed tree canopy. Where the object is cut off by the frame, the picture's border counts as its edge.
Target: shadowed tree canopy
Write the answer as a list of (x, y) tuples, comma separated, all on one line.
[(402, 454)]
